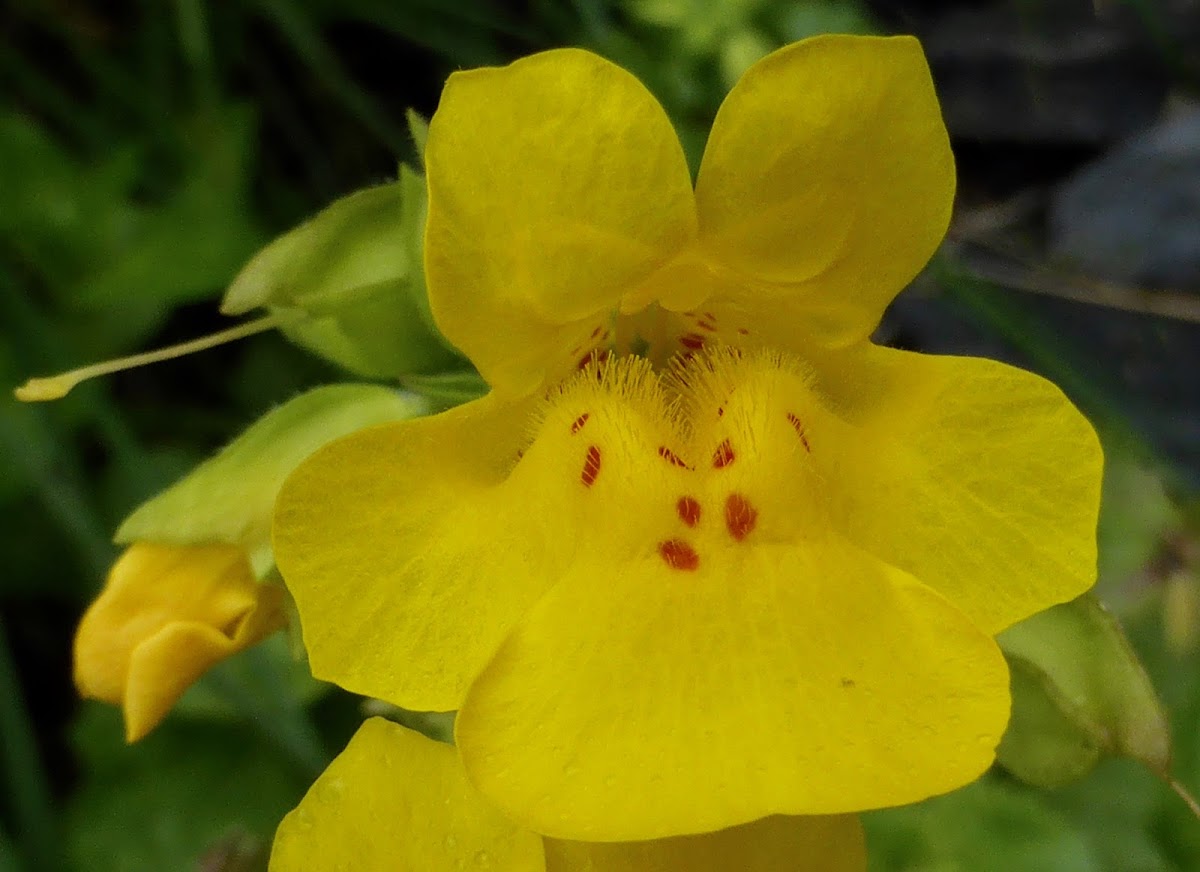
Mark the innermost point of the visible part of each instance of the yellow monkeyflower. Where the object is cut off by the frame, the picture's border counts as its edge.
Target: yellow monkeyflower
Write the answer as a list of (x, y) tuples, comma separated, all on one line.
[(187, 591), (395, 801), (746, 562), (167, 614)]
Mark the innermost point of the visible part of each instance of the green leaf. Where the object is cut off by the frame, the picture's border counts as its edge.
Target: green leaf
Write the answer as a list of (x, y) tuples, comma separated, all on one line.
[(186, 248), (1079, 691), (229, 498), (1136, 517), (988, 826), (177, 796), (349, 284)]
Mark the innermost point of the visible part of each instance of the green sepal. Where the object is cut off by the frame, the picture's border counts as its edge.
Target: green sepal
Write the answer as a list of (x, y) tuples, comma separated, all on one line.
[(447, 389), (230, 497), (1079, 693), (348, 284)]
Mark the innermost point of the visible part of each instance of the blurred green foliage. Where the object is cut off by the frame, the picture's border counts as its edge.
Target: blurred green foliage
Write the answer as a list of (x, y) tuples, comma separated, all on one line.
[(147, 151)]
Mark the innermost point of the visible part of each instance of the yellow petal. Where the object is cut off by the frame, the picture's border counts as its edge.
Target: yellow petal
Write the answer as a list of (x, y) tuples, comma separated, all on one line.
[(827, 182), (406, 561), (556, 184), (395, 801), (640, 700), (979, 478), (774, 844), (166, 616)]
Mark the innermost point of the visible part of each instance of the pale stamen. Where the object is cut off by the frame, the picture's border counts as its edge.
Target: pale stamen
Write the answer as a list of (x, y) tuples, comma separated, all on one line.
[(56, 387)]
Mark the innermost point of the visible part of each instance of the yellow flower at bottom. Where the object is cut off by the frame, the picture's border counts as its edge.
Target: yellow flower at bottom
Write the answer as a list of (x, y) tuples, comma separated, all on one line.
[(167, 614), (395, 801)]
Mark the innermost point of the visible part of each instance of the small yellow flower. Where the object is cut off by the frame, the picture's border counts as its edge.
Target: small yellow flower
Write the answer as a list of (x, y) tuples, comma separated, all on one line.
[(168, 614), (752, 564), (394, 800)]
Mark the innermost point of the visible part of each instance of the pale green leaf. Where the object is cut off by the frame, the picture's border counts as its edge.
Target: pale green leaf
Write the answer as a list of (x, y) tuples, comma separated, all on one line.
[(230, 497), (1078, 684)]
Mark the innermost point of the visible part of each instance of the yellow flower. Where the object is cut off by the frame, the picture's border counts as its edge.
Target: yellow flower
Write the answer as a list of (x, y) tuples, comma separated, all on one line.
[(167, 614), (394, 800), (186, 593), (752, 564)]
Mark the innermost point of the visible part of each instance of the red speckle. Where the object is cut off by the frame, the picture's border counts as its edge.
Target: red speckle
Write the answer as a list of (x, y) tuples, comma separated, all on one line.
[(692, 341), (720, 411), (598, 332), (591, 466), (578, 423), (724, 455), (798, 426), (671, 457), (710, 316), (679, 555), (689, 510), (743, 331), (740, 516), (704, 325)]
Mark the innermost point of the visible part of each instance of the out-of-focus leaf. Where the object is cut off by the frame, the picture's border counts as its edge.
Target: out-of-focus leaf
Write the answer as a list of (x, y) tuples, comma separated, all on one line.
[(418, 129), (188, 247), (795, 21), (1136, 517), (1078, 688), (229, 498), (168, 800), (59, 214), (989, 826), (271, 670)]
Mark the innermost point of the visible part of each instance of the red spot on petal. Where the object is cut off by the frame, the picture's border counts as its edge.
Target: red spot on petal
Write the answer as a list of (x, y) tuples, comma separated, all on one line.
[(798, 426), (704, 325), (720, 411), (743, 331), (724, 455), (578, 423), (591, 466), (671, 457), (710, 316), (689, 510), (740, 516), (692, 341), (679, 555), (598, 332)]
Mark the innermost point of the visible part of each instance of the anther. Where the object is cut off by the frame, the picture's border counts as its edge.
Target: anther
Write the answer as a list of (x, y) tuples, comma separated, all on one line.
[(740, 516), (798, 426), (591, 466), (689, 510), (679, 555), (671, 457), (724, 455)]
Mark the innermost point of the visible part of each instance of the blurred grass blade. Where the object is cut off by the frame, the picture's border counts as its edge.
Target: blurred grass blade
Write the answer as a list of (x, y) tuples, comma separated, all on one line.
[(28, 790)]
